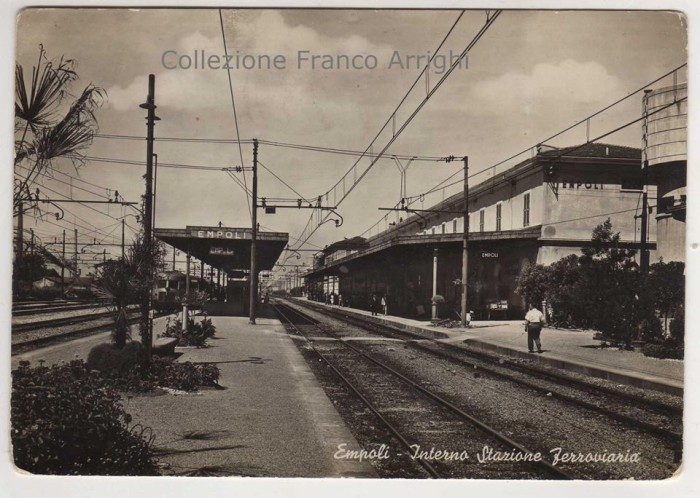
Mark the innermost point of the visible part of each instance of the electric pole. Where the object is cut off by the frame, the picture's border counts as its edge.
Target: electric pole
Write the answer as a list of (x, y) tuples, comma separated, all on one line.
[(254, 236), (186, 303), (465, 243), (75, 253), (644, 248), (123, 223), (151, 119), (20, 232), (63, 266)]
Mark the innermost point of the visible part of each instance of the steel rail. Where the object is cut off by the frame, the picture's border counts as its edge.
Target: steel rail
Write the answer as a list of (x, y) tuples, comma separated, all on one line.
[(674, 437), (397, 434), (543, 464)]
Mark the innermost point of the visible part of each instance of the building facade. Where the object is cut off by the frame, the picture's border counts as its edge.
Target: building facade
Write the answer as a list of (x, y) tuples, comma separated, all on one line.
[(538, 211)]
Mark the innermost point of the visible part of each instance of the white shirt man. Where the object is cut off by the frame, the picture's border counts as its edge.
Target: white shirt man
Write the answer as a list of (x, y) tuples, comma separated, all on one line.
[(534, 320), (534, 316)]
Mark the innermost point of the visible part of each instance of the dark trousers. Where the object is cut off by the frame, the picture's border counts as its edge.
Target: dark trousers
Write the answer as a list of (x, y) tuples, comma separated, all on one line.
[(533, 336)]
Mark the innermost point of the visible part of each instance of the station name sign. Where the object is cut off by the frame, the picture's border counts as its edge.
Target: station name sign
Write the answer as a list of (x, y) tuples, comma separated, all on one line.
[(579, 185), (221, 233)]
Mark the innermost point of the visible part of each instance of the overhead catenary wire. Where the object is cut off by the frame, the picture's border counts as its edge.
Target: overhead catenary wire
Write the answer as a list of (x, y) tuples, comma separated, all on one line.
[(442, 184), (235, 115), (490, 20)]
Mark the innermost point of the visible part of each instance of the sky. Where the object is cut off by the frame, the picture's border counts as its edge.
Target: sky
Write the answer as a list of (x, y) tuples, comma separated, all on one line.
[(532, 74)]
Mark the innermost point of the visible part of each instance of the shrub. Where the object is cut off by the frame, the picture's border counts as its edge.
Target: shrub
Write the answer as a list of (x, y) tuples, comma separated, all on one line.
[(651, 330), (677, 327), (196, 335), (65, 421), (109, 359), (184, 376), (668, 349)]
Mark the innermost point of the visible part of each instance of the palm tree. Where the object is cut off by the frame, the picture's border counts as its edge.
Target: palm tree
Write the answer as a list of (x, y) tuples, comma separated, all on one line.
[(45, 133)]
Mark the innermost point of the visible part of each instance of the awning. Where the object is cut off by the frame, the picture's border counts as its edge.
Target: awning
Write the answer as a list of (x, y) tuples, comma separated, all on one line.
[(225, 248)]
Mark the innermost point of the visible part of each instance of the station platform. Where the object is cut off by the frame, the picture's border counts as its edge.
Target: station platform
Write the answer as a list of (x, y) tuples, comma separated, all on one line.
[(271, 419), (571, 350)]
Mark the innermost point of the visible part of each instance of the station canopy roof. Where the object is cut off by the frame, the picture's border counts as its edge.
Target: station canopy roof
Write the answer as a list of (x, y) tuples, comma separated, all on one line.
[(225, 248)]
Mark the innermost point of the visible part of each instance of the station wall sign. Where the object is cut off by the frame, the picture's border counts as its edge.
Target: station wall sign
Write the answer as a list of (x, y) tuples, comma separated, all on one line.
[(221, 251), (489, 254)]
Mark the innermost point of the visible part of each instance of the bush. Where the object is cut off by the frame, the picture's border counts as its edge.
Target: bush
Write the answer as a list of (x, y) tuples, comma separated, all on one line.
[(196, 335), (184, 376), (109, 360), (651, 330), (677, 327), (668, 349), (65, 421)]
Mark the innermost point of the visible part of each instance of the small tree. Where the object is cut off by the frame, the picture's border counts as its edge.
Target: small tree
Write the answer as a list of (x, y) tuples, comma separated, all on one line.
[(532, 282), (665, 287), (117, 280)]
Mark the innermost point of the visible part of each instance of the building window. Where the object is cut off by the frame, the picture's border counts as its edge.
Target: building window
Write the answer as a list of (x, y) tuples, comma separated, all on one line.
[(498, 217), (481, 220), (454, 226), (443, 228), (432, 230), (632, 185), (526, 210)]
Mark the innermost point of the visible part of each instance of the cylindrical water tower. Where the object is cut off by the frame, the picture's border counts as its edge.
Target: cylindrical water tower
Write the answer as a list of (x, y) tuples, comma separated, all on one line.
[(665, 149)]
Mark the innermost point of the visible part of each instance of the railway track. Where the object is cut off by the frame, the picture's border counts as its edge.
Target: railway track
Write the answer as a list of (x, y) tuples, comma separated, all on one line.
[(394, 399), (53, 308), (43, 336), (58, 322), (648, 415)]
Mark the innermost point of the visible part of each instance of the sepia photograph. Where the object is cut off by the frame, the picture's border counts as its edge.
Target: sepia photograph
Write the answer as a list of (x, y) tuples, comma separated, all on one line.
[(434, 243)]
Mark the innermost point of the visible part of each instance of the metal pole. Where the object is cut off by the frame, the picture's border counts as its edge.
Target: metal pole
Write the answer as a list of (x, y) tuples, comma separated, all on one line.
[(254, 236), (465, 243), (644, 249), (435, 261), (104, 255), (185, 302), (63, 266), (123, 223), (75, 254), (151, 118), (20, 232), (201, 276)]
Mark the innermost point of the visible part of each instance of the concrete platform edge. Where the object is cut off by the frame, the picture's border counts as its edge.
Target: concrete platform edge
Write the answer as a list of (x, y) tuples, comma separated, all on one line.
[(619, 376)]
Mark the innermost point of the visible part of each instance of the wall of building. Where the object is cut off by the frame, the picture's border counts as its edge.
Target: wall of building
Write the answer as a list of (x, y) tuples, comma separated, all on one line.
[(510, 196)]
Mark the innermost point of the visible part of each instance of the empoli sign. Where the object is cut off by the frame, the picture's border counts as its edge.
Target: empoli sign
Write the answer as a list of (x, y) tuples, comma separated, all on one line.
[(221, 234)]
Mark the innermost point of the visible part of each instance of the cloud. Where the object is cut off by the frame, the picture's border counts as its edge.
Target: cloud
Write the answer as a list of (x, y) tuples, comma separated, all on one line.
[(287, 91), (567, 82)]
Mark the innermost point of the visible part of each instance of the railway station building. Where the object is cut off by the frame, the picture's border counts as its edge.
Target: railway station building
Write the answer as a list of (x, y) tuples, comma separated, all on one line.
[(539, 211)]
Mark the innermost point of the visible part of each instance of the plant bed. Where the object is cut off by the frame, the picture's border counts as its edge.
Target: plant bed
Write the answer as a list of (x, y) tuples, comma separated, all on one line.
[(67, 421), (123, 369), (196, 335)]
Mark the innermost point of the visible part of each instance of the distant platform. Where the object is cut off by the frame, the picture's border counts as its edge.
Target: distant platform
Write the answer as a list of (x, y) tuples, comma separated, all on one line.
[(575, 351)]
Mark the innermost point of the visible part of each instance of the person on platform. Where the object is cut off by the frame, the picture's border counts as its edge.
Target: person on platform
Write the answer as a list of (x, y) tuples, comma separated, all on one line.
[(534, 321), (374, 304), (383, 305)]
